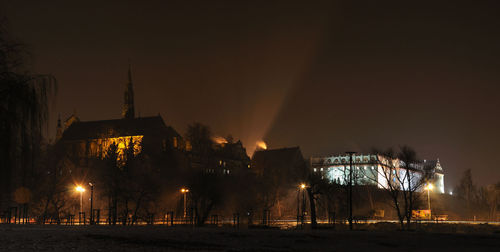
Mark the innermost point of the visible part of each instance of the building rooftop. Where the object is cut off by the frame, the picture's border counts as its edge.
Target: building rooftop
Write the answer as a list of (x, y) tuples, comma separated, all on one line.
[(117, 127)]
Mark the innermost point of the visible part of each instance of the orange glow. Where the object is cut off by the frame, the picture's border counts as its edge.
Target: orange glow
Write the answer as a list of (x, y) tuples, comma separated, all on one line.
[(302, 186), (184, 190), (261, 145), (219, 140)]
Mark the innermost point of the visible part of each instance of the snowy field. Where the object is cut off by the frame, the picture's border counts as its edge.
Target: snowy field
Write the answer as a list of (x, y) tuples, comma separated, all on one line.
[(158, 238)]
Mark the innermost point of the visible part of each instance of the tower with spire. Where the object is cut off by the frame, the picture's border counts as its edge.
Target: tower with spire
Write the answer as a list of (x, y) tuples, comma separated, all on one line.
[(59, 128), (128, 111)]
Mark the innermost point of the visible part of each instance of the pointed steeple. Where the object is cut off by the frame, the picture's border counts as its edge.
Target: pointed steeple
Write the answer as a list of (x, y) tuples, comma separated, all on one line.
[(59, 128), (128, 103)]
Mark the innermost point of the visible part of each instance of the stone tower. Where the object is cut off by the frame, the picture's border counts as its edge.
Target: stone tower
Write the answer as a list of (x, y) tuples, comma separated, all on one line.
[(128, 102)]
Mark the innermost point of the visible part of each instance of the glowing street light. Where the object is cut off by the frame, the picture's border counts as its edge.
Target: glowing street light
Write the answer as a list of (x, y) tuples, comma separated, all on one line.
[(185, 191), (302, 188), (80, 189), (429, 188)]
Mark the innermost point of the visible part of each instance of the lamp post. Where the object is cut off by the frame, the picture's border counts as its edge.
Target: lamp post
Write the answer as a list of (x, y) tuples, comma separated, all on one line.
[(429, 187), (300, 216), (303, 187), (298, 205), (185, 191), (91, 203), (350, 153), (80, 189)]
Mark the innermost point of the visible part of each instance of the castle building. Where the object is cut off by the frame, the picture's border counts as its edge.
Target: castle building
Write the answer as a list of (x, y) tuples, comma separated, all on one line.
[(379, 170)]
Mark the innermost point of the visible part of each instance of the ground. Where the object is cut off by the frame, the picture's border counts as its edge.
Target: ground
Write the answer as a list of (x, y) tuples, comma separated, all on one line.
[(159, 238)]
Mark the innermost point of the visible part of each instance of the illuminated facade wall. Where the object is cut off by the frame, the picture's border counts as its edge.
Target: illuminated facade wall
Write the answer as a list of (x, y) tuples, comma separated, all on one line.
[(98, 148)]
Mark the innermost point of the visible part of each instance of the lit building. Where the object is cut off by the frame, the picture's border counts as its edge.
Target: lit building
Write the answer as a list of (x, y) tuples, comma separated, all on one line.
[(81, 141), (379, 170)]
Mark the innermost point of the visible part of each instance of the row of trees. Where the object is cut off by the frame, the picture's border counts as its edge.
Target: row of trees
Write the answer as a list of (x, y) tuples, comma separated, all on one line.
[(478, 202)]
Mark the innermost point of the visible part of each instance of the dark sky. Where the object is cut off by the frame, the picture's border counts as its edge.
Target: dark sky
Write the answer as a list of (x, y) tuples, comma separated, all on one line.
[(329, 76)]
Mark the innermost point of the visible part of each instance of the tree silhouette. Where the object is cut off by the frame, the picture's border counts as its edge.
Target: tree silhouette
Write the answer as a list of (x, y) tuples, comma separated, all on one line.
[(399, 176), (24, 98)]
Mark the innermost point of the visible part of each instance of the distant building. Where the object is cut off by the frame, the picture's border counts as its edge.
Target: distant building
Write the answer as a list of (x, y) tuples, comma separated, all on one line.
[(371, 169), (287, 164), (228, 158)]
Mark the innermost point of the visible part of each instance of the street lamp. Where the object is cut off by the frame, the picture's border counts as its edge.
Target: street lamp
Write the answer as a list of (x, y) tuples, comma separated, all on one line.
[(301, 188), (91, 203), (80, 189), (185, 191), (429, 188)]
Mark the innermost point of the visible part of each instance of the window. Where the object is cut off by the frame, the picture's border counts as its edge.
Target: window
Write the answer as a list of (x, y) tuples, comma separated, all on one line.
[(175, 142), (164, 145)]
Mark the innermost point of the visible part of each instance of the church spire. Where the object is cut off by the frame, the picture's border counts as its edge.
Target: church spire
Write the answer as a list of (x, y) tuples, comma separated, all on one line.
[(128, 103), (59, 128)]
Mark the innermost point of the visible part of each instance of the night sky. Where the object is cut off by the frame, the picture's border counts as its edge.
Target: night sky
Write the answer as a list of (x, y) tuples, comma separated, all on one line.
[(328, 76)]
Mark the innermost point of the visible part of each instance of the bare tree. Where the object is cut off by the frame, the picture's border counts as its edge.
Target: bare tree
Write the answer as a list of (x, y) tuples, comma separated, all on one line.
[(204, 183), (492, 198), (316, 186), (467, 190), (402, 176)]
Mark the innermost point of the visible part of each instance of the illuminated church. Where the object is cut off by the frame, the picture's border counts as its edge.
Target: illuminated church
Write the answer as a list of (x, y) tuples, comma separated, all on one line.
[(84, 140)]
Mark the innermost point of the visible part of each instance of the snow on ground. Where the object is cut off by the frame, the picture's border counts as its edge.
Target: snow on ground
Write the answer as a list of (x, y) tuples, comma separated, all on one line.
[(159, 238)]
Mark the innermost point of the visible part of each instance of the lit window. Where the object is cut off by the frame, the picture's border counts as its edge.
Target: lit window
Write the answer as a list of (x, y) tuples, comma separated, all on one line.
[(315, 170), (321, 169), (175, 142)]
